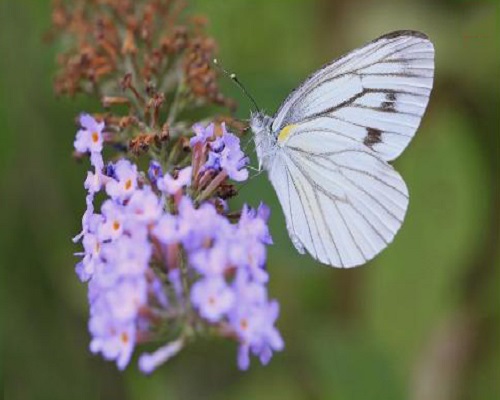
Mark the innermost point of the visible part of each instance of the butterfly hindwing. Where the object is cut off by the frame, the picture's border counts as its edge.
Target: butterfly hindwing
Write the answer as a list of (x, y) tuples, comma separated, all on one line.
[(343, 206)]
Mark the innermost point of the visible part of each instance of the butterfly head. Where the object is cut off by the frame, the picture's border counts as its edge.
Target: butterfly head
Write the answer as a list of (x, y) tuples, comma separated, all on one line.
[(260, 122)]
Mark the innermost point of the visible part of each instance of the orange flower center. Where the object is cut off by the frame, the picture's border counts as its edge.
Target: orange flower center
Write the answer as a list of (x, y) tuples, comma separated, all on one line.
[(124, 337), (116, 225), (128, 184), (95, 137)]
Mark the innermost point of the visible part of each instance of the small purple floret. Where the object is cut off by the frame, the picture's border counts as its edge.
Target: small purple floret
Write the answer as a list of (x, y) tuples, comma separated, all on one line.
[(89, 138)]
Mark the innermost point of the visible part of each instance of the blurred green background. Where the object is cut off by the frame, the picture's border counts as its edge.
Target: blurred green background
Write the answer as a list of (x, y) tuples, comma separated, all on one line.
[(419, 322)]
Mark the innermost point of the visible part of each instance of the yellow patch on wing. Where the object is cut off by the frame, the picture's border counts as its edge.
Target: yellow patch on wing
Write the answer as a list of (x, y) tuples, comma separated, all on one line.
[(285, 132)]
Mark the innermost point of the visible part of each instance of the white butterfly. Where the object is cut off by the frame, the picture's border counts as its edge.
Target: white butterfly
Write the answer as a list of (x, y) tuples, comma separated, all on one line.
[(327, 148)]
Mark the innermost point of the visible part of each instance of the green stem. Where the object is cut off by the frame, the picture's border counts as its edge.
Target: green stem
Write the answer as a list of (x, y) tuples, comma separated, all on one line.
[(174, 108), (185, 284)]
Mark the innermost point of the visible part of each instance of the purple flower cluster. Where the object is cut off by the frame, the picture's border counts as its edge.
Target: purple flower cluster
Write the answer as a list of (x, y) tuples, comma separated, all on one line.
[(225, 152), (132, 258), (232, 280), (117, 251)]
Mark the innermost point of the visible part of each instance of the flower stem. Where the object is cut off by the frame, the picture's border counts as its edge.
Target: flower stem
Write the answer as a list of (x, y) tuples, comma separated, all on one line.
[(212, 187)]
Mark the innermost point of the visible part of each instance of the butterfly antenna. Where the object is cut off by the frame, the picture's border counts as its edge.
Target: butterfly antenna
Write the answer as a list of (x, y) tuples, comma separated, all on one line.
[(235, 79)]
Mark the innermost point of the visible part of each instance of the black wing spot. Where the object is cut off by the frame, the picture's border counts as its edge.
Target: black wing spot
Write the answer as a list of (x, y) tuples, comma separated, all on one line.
[(390, 104), (372, 137), (390, 96)]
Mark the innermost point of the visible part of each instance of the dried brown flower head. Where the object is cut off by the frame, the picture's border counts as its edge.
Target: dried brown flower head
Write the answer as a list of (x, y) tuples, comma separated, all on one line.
[(151, 41)]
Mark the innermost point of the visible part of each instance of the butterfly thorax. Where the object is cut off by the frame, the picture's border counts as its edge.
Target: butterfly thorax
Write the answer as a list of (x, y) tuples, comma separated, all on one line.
[(265, 141)]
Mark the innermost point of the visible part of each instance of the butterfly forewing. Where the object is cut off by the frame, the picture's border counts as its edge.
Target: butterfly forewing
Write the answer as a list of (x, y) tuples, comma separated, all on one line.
[(343, 202), (382, 88)]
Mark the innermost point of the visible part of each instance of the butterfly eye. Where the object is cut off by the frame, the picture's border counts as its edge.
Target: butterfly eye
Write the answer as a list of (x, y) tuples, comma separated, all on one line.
[(257, 121), (256, 116)]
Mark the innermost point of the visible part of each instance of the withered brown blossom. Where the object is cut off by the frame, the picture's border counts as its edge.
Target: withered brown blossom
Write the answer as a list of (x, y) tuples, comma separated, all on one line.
[(152, 42)]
